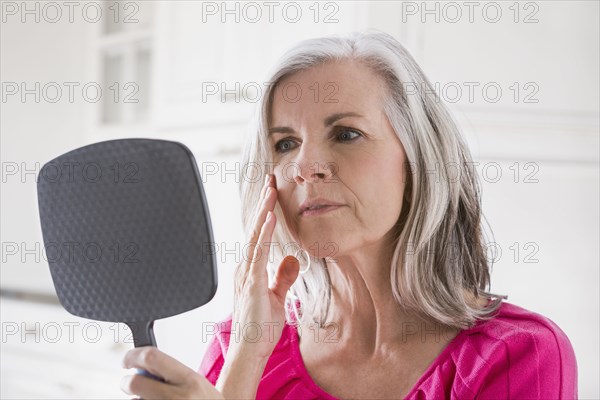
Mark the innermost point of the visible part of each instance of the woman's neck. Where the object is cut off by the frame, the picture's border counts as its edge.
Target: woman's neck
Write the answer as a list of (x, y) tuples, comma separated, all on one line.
[(364, 315)]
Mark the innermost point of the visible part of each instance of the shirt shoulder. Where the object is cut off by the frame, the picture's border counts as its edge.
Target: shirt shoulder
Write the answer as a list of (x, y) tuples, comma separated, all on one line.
[(214, 356), (516, 354)]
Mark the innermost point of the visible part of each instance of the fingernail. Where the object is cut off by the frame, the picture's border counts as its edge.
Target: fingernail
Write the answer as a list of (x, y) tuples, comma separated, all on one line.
[(267, 179), (290, 259)]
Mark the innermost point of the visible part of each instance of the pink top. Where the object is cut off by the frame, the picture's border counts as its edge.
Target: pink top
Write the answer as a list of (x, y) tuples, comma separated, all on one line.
[(518, 354)]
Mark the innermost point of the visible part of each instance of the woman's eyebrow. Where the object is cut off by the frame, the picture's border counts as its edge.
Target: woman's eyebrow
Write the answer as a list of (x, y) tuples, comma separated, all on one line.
[(326, 122)]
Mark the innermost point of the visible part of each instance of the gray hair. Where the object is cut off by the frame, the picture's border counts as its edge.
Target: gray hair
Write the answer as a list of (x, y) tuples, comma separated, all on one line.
[(439, 263)]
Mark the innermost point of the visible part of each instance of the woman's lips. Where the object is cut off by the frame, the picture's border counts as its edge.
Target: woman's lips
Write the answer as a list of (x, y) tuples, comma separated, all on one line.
[(318, 211)]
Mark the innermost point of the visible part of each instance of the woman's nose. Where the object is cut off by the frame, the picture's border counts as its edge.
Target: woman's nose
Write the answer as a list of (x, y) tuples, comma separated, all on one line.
[(309, 175), (312, 166)]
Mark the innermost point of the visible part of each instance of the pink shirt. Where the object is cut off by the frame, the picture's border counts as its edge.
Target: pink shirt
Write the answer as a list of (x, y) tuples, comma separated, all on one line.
[(518, 354)]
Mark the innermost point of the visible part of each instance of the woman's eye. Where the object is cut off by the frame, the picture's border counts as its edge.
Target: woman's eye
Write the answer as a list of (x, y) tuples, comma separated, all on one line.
[(347, 134), (283, 146), (344, 135)]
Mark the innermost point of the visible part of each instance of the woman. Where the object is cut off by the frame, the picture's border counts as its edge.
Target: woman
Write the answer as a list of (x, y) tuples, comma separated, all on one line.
[(372, 181)]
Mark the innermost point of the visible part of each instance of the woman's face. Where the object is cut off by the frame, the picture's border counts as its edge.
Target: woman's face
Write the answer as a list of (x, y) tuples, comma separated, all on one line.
[(354, 160)]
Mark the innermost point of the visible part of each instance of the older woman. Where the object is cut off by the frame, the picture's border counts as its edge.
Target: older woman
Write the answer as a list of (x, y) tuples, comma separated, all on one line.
[(370, 178)]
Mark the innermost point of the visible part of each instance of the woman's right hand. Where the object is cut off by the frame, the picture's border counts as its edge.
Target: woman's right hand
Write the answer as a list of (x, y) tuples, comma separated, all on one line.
[(259, 310)]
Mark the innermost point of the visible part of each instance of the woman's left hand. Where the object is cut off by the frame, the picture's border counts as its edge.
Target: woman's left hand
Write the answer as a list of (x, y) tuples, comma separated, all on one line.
[(181, 381)]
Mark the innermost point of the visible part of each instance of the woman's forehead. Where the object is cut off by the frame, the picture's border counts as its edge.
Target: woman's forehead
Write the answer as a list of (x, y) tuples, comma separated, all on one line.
[(326, 91)]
